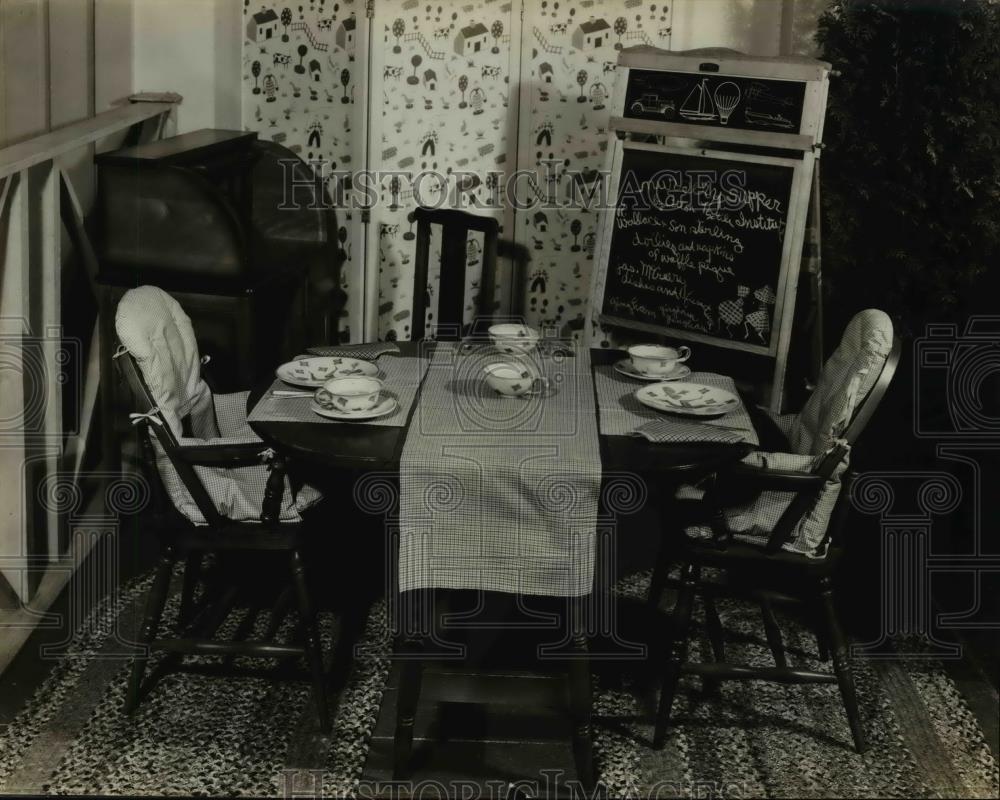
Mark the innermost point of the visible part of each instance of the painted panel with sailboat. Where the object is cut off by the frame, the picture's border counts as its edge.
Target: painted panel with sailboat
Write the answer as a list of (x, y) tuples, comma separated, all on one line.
[(717, 100)]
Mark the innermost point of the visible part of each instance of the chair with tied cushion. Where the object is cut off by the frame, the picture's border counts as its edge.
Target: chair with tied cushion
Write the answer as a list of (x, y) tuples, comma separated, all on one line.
[(218, 487), (774, 520)]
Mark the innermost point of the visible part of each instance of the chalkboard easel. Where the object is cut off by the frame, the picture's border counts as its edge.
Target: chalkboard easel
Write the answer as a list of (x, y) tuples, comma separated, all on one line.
[(711, 167)]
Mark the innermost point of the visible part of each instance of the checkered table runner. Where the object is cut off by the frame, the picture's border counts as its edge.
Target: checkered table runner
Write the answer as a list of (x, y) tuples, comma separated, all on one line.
[(499, 493), (367, 351), (622, 415), (401, 377)]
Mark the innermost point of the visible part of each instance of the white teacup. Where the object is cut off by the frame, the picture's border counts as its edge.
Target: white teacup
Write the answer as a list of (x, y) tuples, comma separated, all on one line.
[(657, 359), (349, 394), (512, 338), (513, 380)]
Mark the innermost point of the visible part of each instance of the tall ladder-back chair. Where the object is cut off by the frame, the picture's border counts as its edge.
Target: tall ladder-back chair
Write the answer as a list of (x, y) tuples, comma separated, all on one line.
[(449, 318), (217, 489), (772, 525)]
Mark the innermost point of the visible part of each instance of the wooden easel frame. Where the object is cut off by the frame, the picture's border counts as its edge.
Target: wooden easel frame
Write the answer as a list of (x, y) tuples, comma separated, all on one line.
[(711, 142)]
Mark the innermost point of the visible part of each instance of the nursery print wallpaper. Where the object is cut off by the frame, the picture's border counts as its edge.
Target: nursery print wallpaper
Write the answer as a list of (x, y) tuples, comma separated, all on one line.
[(301, 73), (568, 78), (460, 94), (443, 123)]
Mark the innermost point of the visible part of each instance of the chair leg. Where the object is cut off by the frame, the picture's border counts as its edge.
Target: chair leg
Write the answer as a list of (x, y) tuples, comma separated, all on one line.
[(155, 603), (773, 633), (314, 653), (842, 668), (192, 571), (581, 703), (822, 637), (658, 582), (714, 626), (676, 648), (406, 711)]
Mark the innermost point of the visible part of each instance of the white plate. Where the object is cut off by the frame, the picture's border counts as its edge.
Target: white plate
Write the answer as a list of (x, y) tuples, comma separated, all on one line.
[(385, 406), (626, 368), (314, 371), (691, 399)]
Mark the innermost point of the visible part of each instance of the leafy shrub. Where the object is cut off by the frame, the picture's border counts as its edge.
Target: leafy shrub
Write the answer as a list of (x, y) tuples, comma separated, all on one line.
[(911, 170)]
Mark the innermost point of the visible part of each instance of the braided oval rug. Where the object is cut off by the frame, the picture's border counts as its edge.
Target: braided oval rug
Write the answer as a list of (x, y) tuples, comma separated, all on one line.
[(250, 736)]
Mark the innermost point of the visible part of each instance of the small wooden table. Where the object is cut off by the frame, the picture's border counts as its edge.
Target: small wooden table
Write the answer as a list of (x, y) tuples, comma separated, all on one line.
[(364, 448), (371, 448)]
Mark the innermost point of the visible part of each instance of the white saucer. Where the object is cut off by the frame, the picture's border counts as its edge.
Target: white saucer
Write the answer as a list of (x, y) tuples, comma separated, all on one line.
[(313, 371), (384, 406), (689, 399), (626, 368)]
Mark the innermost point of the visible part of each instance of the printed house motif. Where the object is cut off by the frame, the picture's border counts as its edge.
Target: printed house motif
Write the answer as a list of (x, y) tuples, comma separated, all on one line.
[(262, 26), (345, 33), (471, 39), (590, 34)]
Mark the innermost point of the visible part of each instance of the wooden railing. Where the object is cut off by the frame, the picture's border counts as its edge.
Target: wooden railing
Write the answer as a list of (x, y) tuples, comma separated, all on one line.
[(40, 458)]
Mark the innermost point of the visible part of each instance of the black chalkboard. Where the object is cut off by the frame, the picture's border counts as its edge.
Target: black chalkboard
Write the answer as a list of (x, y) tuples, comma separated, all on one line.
[(715, 100), (696, 245)]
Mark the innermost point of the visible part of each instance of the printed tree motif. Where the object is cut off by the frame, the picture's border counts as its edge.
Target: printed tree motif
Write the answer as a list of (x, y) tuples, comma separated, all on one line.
[(345, 78), (581, 78), (496, 31), (302, 50), (416, 61), (398, 29), (286, 20), (575, 228), (621, 25), (255, 71), (463, 84)]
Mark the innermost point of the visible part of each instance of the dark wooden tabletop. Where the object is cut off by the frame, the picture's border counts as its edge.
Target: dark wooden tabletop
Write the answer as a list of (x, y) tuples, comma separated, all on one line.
[(374, 447)]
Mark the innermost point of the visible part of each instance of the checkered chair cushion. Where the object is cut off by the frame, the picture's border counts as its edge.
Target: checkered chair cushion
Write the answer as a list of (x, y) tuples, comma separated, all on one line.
[(158, 335), (847, 377)]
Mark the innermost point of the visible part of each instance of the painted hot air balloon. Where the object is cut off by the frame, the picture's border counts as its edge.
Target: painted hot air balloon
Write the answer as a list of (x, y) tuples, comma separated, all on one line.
[(727, 97)]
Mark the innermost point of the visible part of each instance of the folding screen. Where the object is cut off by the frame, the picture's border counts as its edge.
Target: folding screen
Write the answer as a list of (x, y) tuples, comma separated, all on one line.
[(568, 72), (467, 92), (304, 78), (443, 93)]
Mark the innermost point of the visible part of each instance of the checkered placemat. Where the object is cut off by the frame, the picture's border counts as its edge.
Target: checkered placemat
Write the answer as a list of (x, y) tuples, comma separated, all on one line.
[(622, 415), (366, 351), (498, 493), (401, 378)]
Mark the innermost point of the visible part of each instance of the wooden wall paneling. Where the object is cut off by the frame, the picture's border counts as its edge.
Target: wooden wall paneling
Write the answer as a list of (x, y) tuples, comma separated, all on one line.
[(13, 283), (45, 319)]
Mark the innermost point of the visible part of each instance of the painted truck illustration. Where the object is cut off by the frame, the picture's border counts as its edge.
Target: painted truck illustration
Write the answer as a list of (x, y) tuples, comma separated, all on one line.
[(652, 104)]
